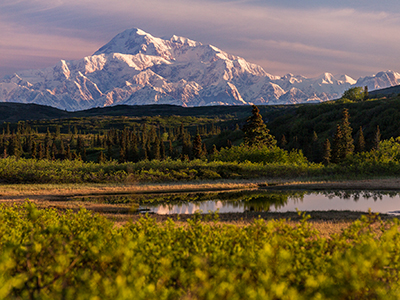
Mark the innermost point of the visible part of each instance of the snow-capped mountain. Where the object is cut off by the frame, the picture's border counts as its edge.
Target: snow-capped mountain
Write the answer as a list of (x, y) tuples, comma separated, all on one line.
[(136, 68)]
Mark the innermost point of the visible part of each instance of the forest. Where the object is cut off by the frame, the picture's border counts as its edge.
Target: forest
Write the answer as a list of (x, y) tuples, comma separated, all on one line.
[(349, 138), (49, 252)]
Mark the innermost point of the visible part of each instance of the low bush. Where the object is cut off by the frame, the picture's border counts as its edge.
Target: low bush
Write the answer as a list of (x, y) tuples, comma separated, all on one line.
[(50, 255)]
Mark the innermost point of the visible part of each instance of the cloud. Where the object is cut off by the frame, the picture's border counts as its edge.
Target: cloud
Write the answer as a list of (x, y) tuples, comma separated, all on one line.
[(309, 40)]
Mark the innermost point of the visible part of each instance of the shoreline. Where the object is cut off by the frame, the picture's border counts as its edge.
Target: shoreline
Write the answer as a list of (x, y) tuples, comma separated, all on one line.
[(55, 196)]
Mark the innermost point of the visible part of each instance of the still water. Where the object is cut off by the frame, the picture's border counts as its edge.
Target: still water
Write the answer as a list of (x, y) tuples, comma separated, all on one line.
[(278, 201)]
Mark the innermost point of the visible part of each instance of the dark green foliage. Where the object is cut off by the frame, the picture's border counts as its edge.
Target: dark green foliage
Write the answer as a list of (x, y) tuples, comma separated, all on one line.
[(343, 144), (366, 94), (360, 143), (377, 138), (337, 150), (256, 132), (347, 142), (197, 147), (326, 158), (283, 142)]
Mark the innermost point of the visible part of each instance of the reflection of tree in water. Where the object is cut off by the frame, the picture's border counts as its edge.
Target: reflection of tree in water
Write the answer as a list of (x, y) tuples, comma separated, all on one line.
[(251, 200), (356, 195), (263, 201)]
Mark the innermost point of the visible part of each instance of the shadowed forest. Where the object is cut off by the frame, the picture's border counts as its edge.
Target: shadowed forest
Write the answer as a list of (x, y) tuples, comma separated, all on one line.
[(348, 138)]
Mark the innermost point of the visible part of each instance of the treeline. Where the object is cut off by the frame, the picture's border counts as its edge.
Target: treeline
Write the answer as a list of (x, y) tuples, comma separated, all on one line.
[(141, 142), (308, 129), (320, 132)]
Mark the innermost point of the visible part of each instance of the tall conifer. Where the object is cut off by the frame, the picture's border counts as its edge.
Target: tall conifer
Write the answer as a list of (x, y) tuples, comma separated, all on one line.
[(327, 152), (360, 144), (377, 138), (256, 132)]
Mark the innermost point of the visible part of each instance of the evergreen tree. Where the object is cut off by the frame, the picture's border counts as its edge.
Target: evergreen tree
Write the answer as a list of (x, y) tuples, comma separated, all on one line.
[(14, 147), (228, 143), (162, 150), (47, 138), (84, 154), (197, 147), (61, 150), (214, 150), (283, 142), (101, 158), (377, 138), (347, 139), (47, 153), (171, 151), (256, 132), (337, 145), (155, 149), (122, 157), (327, 152), (68, 154), (343, 143), (54, 151), (40, 151), (205, 152), (360, 144), (315, 148), (366, 94), (34, 151)]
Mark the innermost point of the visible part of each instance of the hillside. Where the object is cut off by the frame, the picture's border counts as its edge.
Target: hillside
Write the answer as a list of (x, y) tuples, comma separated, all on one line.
[(14, 112)]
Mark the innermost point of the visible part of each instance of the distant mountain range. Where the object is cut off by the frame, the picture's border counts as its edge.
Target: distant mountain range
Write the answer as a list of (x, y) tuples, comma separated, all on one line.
[(135, 68)]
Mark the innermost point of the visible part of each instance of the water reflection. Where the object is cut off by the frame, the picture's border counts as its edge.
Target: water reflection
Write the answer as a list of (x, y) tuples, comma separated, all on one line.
[(257, 201), (283, 201)]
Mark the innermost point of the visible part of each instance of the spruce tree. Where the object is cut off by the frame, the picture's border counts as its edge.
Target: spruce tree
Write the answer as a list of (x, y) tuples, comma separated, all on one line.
[(360, 144), (101, 158), (171, 151), (34, 152), (162, 151), (256, 132), (327, 152), (197, 147), (366, 94), (347, 139), (377, 138), (337, 145), (205, 152), (155, 149), (68, 155), (214, 150), (283, 142)]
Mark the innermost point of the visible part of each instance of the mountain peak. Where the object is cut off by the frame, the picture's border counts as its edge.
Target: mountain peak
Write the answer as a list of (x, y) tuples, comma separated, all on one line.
[(137, 68), (134, 41)]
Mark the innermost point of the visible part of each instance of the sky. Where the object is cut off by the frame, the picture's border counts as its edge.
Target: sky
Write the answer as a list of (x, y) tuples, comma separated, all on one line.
[(309, 37)]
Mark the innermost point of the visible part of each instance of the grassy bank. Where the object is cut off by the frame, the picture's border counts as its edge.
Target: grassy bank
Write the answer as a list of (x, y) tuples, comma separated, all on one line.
[(33, 171)]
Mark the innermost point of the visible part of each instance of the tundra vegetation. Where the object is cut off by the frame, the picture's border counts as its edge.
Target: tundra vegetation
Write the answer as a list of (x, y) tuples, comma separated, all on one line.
[(58, 254), (46, 254)]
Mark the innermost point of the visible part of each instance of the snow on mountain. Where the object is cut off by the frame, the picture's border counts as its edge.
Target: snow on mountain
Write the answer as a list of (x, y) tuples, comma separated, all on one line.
[(380, 80), (138, 68)]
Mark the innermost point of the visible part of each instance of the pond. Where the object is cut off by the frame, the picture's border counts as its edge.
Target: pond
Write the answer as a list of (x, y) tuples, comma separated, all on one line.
[(261, 201)]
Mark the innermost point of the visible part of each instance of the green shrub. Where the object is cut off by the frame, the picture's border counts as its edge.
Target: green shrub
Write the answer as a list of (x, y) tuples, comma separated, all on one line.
[(50, 255)]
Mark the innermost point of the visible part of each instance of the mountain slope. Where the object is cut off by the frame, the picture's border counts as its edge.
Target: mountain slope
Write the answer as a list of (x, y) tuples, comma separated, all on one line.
[(135, 68)]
